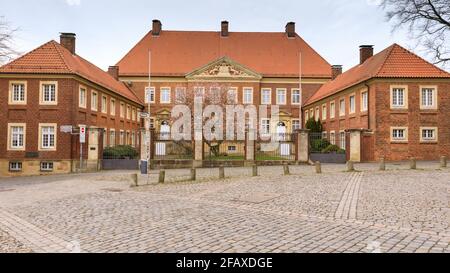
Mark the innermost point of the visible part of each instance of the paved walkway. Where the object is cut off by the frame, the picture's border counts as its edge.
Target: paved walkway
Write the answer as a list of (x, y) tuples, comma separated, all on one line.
[(367, 211)]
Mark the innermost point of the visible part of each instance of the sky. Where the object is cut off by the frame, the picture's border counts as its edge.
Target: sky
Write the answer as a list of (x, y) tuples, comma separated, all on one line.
[(107, 29)]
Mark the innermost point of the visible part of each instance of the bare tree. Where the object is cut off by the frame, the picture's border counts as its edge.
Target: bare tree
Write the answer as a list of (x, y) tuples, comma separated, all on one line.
[(7, 34), (428, 22)]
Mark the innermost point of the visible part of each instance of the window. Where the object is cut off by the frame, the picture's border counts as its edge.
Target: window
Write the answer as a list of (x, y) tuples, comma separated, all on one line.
[(324, 135), (104, 102), (266, 96), (150, 95), (317, 115), (428, 134), (152, 123), (281, 96), (199, 92), (342, 107), (265, 126), (352, 104), (342, 140), (364, 101), (295, 125), (49, 93), (47, 136), (133, 139), (332, 109), (105, 138), (324, 112), (232, 148), (122, 110), (112, 109), (333, 138), (122, 137), (128, 112), (127, 139), (15, 166), (295, 96), (214, 95), (94, 101), (133, 114), (399, 95), (82, 97), (399, 134), (248, 95), (112, 138), (46, 166), (232, 96), (180, 95), (165, 95), (311, 113), (16, 136), (306, 116), (428, 97), (18, 93)]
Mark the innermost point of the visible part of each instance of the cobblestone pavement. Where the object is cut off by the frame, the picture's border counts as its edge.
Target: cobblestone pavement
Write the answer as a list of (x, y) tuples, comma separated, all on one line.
[(398, 210)]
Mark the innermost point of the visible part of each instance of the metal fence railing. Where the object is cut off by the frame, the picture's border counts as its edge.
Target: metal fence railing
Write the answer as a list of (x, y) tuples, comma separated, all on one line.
[(224, 150), (276, 147)]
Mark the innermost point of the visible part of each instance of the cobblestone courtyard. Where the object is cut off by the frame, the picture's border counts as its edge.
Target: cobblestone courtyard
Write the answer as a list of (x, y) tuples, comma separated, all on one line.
[(398, 210)]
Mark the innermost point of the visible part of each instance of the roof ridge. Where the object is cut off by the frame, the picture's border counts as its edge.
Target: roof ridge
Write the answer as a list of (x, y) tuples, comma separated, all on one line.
[(58, 48)]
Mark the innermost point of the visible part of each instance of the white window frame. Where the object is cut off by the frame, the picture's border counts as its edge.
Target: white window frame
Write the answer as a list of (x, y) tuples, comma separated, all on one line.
[(342, 109), (162, 92), (293, 95), (405, 97), (122, 137), (434, 97), (299, 125), (122, 110), (306, 116), (317, 113), (245, 91), (232, 92), (426, 139), (149, 93), (82, 99), (112, 137), (180, 95), (333, 137), (324, 112), (42, 96), (352, 105), (265, 126), (104, 104), (404, 139), (19, 167), (332, 109), (112, 107), (94, 100), (128, 112), (281, 91), (10, 139), (41, 136), (342, 140), (47, 166), (263, 92), (11, 99), (364, 107)]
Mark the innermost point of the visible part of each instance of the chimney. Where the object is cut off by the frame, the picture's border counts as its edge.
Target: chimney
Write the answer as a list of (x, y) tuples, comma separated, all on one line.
[(365, 52), (290, 29), (225, 32), (114, 72), (336, 70), (157, 27), (67, 40)]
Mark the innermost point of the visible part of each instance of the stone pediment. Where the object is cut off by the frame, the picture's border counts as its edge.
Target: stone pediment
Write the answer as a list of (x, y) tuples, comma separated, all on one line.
[(223, 69)]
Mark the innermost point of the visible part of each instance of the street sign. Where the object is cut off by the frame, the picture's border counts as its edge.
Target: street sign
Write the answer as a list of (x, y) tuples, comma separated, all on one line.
[(144, 115), (82, 133), (68, 129)]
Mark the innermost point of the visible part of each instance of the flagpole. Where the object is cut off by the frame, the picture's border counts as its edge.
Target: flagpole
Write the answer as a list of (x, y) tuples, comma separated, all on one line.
[(300, 89), (148, 132)]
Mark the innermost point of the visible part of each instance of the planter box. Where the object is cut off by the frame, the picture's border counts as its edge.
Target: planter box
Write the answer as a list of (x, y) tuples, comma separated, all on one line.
[(329, 158)]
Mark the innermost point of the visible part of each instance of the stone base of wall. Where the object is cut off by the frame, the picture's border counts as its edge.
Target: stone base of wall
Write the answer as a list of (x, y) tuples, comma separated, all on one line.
[(33, 168)]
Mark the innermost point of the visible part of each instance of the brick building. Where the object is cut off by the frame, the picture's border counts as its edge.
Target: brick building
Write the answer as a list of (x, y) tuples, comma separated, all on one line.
[(258, 68), (51, 87), (399, 101)]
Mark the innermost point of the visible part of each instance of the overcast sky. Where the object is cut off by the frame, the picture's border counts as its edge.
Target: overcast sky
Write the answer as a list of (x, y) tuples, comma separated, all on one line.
[(107, 29)]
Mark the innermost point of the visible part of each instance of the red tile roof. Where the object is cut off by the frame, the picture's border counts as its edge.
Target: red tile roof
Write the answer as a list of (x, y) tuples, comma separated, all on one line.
[(177, 53), (393, 62), (52, 58)]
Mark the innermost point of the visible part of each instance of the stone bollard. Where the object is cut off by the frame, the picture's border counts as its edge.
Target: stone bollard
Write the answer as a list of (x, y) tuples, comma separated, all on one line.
[(134, 180), (413, 164), (162, 177), (443, 162), (286, 169), (318, 167), (255, 170), (221, 172), (350, 166), (382, 164), (193, 174)]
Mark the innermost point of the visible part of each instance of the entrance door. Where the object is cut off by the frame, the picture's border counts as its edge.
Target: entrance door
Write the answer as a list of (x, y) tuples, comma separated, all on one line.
[(93, 145)]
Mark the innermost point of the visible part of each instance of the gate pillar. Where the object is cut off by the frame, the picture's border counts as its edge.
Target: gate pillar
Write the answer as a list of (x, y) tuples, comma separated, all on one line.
[(250, 138), (198, 148), (302, 154), (355, 144)]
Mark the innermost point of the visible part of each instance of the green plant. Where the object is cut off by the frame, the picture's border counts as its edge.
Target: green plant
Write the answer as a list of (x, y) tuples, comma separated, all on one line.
[(120, 152), (333, 149), (315, 126), (318, 145)]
